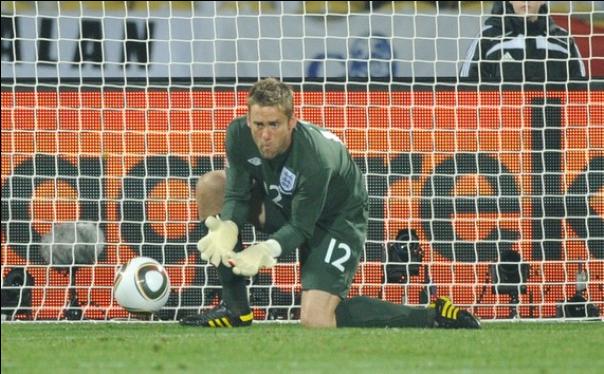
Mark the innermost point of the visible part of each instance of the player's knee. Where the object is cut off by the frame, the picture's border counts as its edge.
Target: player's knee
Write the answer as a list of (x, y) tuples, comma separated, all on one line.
[(318, 309), (317, 318), (318, 322), (209, 193)]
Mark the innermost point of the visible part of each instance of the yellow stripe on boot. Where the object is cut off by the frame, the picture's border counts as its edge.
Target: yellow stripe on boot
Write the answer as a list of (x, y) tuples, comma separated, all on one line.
[(247, 317), (451, 311), (445, 310)]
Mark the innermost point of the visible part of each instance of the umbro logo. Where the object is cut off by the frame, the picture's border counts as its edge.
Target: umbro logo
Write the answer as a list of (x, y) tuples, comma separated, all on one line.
[(256, 161)]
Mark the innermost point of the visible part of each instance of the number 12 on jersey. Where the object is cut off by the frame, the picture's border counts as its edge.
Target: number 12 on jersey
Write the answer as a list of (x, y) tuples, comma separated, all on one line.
[(340, 260)]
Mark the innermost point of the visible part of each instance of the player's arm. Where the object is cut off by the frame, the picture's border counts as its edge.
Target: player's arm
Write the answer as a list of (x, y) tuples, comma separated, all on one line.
[(238, 179), (307, 205), (237, 194), (217, 246)]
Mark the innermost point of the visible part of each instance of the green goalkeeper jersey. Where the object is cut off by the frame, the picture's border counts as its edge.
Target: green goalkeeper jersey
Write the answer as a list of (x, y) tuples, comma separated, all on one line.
[(315, 183)]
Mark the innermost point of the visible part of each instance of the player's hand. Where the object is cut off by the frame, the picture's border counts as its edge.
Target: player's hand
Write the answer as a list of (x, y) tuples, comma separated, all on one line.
[(217, 246), (258, 256)]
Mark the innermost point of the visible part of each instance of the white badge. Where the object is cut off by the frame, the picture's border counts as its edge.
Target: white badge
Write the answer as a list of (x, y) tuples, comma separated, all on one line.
[(287, 180), (255, 161)]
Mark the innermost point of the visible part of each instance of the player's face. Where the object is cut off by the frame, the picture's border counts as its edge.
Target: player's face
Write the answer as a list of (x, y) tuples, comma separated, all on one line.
[(271, 129), (530, 8)]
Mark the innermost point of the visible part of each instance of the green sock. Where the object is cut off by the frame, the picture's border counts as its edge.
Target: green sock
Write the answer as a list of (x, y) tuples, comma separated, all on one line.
[(234, 287), (234, 290), (363, 311)]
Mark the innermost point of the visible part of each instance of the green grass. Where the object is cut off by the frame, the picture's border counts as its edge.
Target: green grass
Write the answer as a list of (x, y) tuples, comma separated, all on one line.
[(269, 348)]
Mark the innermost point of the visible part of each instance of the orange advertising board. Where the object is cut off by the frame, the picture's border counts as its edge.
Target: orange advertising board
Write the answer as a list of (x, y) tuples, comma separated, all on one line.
[(472, 173)]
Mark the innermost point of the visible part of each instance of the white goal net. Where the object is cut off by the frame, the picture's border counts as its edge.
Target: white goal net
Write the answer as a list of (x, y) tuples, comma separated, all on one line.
[(489, 192)]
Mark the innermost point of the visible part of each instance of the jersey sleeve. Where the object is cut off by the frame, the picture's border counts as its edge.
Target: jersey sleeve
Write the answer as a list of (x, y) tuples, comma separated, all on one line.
[(576, 66), (476, 67), (238, 182), (307, 205), (469, 70)]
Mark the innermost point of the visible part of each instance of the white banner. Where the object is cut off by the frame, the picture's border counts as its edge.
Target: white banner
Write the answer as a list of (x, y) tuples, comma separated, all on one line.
[(284, 45)]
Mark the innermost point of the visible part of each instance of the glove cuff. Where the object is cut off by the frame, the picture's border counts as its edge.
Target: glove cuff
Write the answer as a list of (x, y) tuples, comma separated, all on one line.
[(274, 247)]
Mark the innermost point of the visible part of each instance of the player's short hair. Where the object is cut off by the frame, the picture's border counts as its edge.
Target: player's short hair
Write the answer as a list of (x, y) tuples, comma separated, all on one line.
[(271, 92)]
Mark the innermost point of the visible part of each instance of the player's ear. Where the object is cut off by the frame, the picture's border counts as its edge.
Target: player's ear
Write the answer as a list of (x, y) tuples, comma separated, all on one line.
[(292, 122)]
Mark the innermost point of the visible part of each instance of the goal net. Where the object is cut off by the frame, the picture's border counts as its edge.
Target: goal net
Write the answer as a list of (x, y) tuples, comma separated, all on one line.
[(490, 193)]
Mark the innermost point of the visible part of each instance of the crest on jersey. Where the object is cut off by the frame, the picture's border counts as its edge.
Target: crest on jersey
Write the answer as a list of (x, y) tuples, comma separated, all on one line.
[(255, 161), (287, 180)]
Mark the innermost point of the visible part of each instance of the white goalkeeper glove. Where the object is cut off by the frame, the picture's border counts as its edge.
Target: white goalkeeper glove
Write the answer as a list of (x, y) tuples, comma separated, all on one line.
[(218, 244), (258, 256)]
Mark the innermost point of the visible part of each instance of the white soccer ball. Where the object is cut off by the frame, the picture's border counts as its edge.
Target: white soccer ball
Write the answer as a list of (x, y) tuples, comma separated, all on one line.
[(142, 285)]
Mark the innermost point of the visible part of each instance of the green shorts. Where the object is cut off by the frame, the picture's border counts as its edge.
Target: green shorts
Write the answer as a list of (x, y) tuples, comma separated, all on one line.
[(329, 259)]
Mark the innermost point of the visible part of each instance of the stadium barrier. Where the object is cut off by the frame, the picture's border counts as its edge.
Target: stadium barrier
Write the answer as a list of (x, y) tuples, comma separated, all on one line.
[(476, 174)]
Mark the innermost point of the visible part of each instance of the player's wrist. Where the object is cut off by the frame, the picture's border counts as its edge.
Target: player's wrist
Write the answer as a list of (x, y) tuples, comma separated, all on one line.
[(274, 248), (232, 226)]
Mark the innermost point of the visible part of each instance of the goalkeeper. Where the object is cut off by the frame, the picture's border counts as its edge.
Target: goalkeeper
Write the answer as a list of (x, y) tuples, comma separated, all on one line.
[(298, 183)]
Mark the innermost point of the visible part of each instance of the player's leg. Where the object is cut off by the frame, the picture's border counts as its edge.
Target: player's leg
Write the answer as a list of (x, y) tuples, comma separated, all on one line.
[(362, 311), (327, 273), (318, 308), (328, 264), (209, 194), (323, 309), (234, 309)]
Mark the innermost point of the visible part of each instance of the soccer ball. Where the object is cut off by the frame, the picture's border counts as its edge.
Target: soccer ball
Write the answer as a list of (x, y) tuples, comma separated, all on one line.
[(142, 285)]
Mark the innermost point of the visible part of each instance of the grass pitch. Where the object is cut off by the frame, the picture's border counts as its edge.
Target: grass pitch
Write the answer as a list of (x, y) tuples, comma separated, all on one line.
[(271, 348)]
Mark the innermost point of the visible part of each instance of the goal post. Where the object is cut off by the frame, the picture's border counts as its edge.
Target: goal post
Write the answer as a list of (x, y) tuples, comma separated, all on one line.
[(491, 194)]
